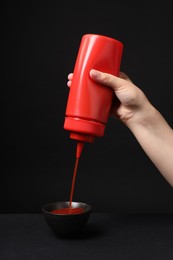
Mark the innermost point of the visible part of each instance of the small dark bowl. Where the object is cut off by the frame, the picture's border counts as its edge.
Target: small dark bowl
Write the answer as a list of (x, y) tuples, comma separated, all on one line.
[(66, 225)]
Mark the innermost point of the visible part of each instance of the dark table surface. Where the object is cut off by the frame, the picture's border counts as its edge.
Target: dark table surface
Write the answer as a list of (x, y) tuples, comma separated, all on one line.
[(106, 236)]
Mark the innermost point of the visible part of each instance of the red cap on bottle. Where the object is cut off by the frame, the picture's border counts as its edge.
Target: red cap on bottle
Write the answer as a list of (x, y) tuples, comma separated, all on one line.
[(82, 137)]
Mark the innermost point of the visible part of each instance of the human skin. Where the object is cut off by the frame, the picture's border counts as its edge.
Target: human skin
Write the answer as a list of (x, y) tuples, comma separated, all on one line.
[(149, 127)]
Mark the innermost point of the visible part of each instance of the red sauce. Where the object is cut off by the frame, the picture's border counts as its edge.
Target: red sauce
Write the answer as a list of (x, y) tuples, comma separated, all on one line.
[(71, 210), (73, 181), (68, 211)]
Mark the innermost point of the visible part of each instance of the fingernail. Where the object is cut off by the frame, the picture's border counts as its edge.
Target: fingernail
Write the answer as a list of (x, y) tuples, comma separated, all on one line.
[(94, 73)]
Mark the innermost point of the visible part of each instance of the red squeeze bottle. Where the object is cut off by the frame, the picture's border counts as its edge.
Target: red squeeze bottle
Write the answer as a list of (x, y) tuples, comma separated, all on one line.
[(89, 103)]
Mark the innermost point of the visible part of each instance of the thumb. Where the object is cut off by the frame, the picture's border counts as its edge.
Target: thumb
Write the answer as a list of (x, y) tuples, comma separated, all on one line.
[(107, 79)]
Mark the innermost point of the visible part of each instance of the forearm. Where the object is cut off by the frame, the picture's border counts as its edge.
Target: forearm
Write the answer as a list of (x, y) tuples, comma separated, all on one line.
[(148, 126), (156, 138)]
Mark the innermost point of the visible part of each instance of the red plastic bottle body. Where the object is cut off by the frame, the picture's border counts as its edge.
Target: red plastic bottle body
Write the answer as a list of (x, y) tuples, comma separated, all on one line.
[(89, 103)]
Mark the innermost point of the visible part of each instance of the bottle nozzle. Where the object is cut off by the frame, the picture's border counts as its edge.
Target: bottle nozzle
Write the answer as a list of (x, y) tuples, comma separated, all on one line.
[(79, 148)]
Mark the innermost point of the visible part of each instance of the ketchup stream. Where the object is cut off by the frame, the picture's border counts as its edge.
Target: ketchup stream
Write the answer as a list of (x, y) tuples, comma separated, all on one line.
[(71, 210)]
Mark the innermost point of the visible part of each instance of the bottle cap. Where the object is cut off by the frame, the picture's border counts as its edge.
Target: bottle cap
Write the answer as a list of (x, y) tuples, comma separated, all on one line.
[(82, 137)]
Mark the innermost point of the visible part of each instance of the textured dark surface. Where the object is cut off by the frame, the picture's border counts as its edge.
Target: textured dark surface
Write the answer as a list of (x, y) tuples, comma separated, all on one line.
[(107, 236)]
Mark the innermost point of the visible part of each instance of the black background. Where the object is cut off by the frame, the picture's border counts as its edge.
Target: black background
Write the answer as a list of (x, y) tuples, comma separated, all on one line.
[(40, 44)]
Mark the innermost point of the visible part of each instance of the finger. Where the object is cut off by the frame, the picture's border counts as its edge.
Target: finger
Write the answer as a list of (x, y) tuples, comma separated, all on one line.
[(70, 76), (69, 83)]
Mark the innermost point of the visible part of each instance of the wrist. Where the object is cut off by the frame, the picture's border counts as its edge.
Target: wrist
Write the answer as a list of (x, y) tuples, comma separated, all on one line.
[(145, 117)]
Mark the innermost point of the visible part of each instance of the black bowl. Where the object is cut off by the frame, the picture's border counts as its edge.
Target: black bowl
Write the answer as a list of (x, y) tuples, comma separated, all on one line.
[(66, 225)]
